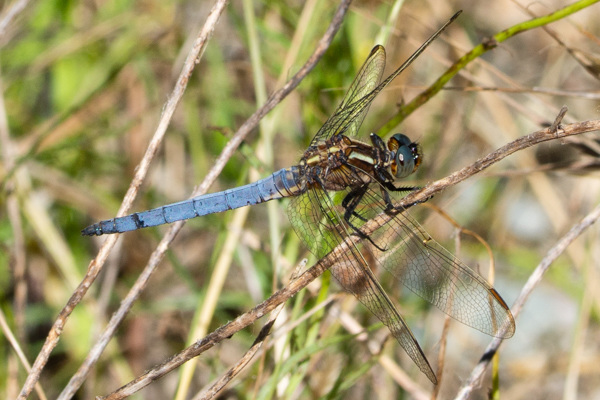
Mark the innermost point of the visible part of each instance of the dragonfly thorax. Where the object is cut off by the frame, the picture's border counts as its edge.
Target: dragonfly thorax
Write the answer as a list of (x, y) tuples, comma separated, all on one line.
[(339, 162), (342, 162)]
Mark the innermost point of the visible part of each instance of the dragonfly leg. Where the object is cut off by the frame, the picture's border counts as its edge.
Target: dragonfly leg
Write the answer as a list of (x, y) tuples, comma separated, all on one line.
[(350, 203), (390, 206), (390, 186)]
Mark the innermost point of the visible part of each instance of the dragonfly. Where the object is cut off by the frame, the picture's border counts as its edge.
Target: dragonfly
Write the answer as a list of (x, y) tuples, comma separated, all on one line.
[(338, 189)]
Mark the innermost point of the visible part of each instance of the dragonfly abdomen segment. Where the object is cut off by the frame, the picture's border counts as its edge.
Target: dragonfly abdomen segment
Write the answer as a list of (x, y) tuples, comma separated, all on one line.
[(283, 183)]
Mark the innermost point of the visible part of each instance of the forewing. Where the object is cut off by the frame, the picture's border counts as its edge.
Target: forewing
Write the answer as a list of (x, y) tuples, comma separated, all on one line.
[(318, 220), (350, 114)]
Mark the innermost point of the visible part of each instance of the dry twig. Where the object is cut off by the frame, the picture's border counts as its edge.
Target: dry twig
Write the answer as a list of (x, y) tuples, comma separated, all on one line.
[(217, 386), (96, 265), (532, 282)]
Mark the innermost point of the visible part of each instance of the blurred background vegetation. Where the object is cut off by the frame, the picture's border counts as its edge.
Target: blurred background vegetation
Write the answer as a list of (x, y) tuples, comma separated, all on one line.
[(84, 84)]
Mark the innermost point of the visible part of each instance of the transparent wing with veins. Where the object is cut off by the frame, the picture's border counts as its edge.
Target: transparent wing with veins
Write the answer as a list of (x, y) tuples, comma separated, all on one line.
[(321, 226), (350, 114), (407, 252)]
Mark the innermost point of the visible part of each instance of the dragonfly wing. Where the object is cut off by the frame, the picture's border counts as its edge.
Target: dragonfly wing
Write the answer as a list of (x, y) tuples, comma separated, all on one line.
[(350, 113), (319, 222), (348, 117), (433, 273), (355, 276)]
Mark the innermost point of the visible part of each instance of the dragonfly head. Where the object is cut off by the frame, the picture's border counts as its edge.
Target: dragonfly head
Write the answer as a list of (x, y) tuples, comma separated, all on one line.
[(407, 155)]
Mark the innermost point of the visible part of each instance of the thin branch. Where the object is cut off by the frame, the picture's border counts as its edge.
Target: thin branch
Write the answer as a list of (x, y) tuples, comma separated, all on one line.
[(14, 186), (588, 63), (532, 282), (158, 254), (9, 15), (375, 347), (256, 346), (561, 114), (521, 143), (312, 273), (96, 265), (231, 328), (478, 51), (14, 343), (588, 95)]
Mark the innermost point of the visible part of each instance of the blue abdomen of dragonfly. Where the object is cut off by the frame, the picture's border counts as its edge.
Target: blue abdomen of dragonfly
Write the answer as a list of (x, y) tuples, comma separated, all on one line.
[(283, 183)]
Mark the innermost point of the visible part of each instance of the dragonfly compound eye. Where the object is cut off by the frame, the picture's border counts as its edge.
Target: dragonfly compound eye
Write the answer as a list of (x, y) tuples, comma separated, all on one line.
[(407, 156)]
